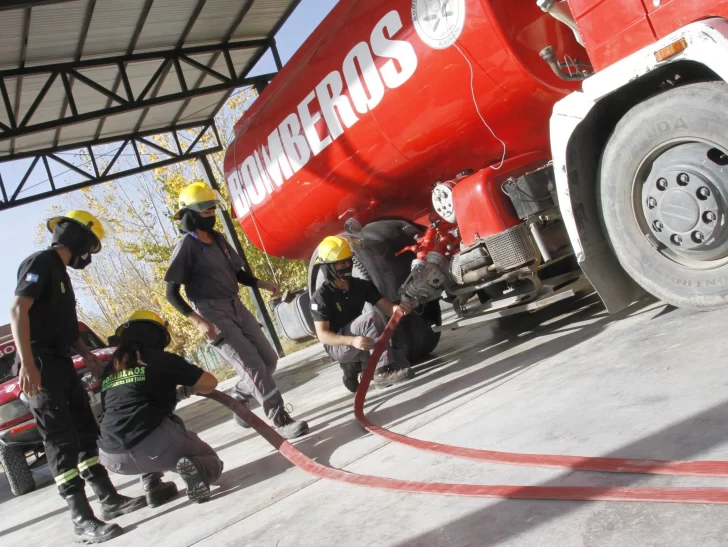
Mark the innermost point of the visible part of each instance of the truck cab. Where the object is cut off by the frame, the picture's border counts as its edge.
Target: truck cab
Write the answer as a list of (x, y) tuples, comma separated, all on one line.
[(21, 447)]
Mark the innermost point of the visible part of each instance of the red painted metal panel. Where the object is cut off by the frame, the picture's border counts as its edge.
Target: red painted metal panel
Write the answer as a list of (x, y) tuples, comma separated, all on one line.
[(422, 130), (612, 29), (670, 15)]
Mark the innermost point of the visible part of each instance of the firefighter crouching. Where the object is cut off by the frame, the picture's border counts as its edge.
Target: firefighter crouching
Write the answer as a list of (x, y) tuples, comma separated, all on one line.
[(140, 434), (45, 329), (210, 270), (348, 334)]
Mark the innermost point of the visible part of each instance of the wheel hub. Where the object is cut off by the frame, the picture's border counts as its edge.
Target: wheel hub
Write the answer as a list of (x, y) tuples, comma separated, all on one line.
[(684, 205)]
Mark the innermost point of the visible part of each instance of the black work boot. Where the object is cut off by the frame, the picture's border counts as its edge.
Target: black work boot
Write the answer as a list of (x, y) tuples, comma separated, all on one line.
[(86, 527), (351, 375), (287, 427), (113, 504), (159, 492), (197, 489)]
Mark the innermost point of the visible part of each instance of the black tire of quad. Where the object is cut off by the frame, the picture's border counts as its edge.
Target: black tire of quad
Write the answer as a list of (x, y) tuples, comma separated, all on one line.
[(694, 113), (16, 470)]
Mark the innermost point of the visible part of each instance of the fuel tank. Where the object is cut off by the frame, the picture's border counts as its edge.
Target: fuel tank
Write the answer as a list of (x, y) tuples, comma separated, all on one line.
[(385, 99)]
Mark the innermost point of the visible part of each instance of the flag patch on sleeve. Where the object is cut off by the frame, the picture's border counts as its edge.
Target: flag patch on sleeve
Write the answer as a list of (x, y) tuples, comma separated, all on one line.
[(314, 307), (31, 278)]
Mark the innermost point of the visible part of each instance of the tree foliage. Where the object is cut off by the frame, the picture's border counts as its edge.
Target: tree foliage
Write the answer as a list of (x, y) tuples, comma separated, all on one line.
[(128, 273)]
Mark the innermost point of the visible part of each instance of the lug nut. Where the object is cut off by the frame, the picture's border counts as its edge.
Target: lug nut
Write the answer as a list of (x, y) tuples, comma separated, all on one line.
[(683, 179), (657, 225), (661, 184), (676, 240), (698, 237), (709, 216), (651, 203), (703, 192)]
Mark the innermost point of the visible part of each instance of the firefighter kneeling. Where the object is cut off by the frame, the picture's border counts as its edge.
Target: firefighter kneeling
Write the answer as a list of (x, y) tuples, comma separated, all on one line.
[(348, 334), (140, 434)]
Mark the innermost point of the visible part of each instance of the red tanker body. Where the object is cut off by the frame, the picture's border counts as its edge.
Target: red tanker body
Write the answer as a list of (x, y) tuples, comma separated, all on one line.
[(544, 142), (402, 116)]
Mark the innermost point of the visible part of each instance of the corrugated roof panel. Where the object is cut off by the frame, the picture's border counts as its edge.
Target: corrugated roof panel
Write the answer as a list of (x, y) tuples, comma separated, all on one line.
[(214, 20), (35, 141), (50, 108), (11, 38), (120, 124), (241, 58), (31, 86), (139, 74), (201, 108), (161, 115), (54, 34), (87, 98), (195, 78), (165, 23), (55, 30), (221, 66), (112, 26), (79, 132), (105, 77), (170, 84), (261, 18)]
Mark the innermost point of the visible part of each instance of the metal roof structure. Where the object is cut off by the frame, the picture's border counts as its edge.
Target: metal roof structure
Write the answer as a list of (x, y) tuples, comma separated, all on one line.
[(79, 73)]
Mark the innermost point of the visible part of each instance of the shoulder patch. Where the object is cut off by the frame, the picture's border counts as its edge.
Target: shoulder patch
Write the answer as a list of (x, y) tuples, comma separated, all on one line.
[(32, 278), (314, 306)]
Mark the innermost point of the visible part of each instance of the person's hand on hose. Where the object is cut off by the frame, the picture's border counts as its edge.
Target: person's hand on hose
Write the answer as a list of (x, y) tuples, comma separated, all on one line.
[(270, 287), (208, 330), (29, 379), (363, 343), (406, 308)]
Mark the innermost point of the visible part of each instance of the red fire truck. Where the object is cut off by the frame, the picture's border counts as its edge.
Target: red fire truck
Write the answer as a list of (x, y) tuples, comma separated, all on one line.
[(21, 447), (500, 154)]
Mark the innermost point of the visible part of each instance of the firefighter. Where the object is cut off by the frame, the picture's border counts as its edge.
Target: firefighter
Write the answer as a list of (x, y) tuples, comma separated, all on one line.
[(140, 434), (210, 270), (45, 329), (347, 333)]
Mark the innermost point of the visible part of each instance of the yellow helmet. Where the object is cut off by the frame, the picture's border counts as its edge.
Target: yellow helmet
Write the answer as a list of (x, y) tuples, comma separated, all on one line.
[(149, 317), (197, 196), (333, 249), (85, 219)]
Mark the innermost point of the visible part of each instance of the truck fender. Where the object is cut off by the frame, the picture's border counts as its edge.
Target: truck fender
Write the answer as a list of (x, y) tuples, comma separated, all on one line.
[(580, 127)]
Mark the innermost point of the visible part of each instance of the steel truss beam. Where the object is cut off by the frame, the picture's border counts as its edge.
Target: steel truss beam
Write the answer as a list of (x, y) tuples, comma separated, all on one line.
[(124, 100), (103, 173)]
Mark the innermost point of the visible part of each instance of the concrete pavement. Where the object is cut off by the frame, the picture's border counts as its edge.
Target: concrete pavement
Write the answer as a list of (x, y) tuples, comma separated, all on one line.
[(647, 383)]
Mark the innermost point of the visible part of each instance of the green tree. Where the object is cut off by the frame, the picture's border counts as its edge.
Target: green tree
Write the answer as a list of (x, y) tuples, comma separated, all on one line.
[(128, 274)]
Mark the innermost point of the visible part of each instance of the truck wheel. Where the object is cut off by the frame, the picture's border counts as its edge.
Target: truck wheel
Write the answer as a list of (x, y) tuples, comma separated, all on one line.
[(663, 192), (16, 470)]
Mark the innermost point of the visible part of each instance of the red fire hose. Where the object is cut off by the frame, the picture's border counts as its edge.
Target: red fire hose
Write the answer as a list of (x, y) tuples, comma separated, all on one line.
[(562, 493)]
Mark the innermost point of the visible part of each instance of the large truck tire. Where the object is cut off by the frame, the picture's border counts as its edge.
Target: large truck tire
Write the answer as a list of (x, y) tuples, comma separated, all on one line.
[(663, 195), (16, 470)]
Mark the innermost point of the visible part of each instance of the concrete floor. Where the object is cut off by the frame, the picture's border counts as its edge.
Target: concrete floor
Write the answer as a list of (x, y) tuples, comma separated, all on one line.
[(647, 383)]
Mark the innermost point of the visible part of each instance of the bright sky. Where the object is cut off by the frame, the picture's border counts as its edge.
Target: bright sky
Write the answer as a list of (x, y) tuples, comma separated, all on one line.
[(18, 226)]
